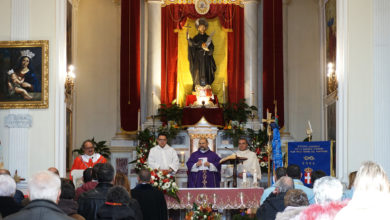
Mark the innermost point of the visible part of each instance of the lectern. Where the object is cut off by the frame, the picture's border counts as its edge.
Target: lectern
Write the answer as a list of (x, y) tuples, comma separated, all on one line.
[(233, 159)]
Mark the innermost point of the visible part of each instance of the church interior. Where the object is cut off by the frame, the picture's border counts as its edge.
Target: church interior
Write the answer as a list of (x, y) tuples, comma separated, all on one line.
[(319, 65)]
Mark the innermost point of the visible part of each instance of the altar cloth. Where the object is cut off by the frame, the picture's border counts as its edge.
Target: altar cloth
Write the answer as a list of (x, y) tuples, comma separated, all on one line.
[(219, 198), (213, 115)]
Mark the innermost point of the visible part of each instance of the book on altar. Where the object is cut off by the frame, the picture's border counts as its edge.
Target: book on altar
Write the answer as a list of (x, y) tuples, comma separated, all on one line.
[(232, 157), (204, 160)]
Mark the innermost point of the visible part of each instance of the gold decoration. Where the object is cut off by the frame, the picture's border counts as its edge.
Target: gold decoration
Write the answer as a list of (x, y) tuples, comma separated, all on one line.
[(170, 2), (202, 6)]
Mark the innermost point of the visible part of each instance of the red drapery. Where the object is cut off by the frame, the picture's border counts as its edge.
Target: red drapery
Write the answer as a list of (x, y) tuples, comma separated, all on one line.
[(273, 57), (130, 65), (174, 16)]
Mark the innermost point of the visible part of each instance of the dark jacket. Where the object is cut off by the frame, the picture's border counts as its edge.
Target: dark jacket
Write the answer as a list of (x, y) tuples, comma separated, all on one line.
[(271, 206), (8, 206), (85, 188), (91, 201), (69, 206), (108, 212), (152, 202), (40, 210), (18, 196)]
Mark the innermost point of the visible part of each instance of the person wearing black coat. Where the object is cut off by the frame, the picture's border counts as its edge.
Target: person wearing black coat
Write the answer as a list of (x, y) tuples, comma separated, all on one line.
[(151, 200), (275, 201), (119, 205), (91, 201)]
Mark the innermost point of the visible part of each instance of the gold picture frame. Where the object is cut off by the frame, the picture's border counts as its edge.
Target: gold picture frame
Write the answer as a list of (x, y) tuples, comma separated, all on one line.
[(24, 74)]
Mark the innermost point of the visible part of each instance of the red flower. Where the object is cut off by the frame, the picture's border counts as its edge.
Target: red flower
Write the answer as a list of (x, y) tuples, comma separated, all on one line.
[(165, 180), (258, 151), (142, 160)]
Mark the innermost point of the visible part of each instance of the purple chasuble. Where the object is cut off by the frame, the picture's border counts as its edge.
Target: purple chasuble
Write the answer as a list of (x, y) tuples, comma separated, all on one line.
[(204, 178)]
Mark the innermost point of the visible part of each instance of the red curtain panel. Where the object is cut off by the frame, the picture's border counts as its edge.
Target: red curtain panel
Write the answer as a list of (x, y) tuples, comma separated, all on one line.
[(130, 65), (273, 58)]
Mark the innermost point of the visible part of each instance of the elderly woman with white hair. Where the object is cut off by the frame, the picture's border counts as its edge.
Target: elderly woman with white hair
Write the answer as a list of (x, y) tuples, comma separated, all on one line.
[(371, 198), (44, 189), (8, 205), (328, 192)]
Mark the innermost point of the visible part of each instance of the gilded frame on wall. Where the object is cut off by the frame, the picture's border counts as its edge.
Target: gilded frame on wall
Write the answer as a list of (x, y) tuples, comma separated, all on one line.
[(24, 74)]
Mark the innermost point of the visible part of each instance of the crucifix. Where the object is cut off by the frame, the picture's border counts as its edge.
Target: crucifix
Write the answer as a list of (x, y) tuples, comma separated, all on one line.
[(269, 120)]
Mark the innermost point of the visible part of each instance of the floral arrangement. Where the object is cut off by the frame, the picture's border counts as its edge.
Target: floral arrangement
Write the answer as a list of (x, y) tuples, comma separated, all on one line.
[(202, 212), (164, 182), (146, 140), (258, 141)]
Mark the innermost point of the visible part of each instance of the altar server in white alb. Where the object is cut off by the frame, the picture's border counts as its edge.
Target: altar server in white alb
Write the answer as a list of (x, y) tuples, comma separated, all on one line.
[(251, 165), (163, 157)]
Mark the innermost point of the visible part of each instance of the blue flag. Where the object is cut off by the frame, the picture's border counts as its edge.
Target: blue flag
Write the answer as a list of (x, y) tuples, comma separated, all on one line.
[(277, 156), (310, 156)]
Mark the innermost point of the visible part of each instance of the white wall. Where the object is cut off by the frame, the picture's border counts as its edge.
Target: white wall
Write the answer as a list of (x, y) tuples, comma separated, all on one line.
[(97, 71), (303, 68), (360, 94), (41, 136)]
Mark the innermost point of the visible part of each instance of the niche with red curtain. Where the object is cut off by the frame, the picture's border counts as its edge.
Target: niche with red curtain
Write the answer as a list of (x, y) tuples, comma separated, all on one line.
[(174, 16), (130, 65)]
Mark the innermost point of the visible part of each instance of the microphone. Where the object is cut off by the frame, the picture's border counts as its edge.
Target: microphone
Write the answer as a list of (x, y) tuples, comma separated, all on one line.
[(231, 150)]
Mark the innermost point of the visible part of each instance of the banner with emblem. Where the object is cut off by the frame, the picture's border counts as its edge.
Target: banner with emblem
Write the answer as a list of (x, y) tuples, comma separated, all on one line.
[(311, 156)]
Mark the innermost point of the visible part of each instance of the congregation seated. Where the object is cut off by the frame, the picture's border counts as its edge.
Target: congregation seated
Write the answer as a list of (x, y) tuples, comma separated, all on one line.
[(280, 172), (275, 201), (122, 180), (294, 171), (89, 180), (295, 202), (18, 196), (328, 192), (348, 193), (117, 206), (315, 175), (151, 200), (67, 203), (371, 196), (8, 205), (91, 201), (44, 190)]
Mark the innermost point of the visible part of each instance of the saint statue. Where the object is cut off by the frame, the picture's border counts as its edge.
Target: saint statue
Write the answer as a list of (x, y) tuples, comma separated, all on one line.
[(200, 55)]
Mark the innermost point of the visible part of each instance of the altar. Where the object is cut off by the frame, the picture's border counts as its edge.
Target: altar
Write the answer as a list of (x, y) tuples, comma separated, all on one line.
[(219, 198)]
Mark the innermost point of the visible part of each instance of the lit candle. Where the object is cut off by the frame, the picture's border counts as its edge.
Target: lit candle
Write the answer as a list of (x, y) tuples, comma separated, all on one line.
[(310, 126), (255, 177), (182, 157), (244, 176)]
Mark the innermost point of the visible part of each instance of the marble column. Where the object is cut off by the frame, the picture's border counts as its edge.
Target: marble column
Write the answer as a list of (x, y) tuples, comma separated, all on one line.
[(19, 120), (251, 37), (153, 65)]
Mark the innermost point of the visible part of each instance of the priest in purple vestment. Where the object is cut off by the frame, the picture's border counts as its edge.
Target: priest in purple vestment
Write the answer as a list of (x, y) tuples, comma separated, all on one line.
[(204, 168)]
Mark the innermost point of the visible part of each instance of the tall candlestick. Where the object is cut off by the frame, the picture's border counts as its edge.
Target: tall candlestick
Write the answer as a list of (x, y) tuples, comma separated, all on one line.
[(139, 120), (223, 91)]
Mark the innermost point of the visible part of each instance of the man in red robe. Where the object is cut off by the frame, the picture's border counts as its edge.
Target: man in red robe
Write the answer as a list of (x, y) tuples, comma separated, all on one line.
[(88, 159)]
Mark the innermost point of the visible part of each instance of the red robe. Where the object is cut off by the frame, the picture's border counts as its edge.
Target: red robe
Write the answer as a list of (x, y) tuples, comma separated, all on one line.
[(80, 164)]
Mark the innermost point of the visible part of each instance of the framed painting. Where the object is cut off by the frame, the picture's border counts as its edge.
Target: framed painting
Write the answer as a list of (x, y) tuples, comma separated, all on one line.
[(24, 74)]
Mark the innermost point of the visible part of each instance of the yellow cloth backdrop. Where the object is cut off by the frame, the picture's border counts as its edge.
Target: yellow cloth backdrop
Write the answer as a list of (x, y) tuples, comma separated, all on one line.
[(184, 77)]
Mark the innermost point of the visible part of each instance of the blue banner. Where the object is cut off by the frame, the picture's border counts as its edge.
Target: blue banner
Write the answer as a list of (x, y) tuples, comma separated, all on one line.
[(310, 156)]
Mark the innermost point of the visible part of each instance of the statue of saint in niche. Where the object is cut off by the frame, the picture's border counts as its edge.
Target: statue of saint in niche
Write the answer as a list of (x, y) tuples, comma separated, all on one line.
[(200, 55)]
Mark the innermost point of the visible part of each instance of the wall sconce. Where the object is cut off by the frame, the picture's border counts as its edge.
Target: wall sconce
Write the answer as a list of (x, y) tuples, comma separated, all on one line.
[(331, 79), (69, 82)]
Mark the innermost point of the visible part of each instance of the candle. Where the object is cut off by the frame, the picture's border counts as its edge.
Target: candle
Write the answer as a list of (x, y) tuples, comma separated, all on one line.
[(255, 177), (178, 94), (309, 126), (244, 176), (139, 120), (182, 158), (223, 91)]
